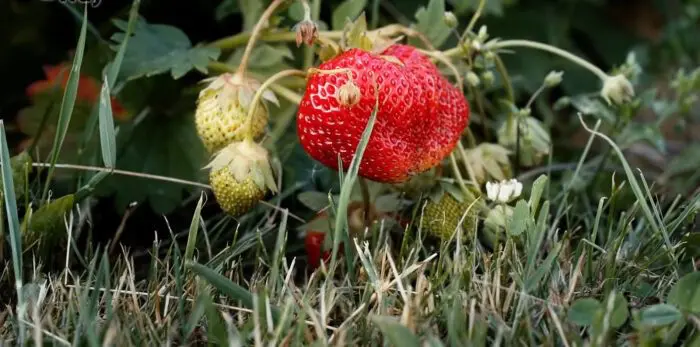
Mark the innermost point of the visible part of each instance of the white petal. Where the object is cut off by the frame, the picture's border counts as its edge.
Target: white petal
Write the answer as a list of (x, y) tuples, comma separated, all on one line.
[(505, 192), (518, 189), (492, 191)]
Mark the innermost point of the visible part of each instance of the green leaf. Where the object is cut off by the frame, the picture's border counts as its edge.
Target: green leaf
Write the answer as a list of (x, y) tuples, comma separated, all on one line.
[(430, 22), (194, 230), (583, 311), (227, 287), (659, 315), (11, 211), (251, 10), (107, 137), (620, 311), (521, 218), (114, 66), (536, 193), (263, 57), (46, 225), (159, 145), (341, 231), (159, 48), (314, 200), (685, 294), (21, 165), (396, 333), (348, 9), (67, 103)]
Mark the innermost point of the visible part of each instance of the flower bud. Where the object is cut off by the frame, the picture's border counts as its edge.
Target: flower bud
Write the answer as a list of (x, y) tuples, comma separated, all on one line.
[(450, 20), (473, 79), (483, 34), (553, 79), (488, 78), (617, 89), (535, 142)]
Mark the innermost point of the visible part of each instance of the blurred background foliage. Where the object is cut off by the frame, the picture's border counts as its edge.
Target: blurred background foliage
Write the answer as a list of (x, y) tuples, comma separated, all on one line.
[(155, 130)]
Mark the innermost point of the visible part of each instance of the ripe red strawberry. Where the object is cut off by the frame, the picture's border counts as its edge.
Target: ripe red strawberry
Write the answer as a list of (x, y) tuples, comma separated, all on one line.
[(313, 242), (419, 121)]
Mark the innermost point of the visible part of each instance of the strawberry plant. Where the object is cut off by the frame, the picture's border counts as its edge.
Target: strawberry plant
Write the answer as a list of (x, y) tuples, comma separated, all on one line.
[(307, 172)]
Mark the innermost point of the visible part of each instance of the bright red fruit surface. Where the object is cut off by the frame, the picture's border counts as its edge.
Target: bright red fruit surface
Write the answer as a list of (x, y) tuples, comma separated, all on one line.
[(419, 121), (314, 248)]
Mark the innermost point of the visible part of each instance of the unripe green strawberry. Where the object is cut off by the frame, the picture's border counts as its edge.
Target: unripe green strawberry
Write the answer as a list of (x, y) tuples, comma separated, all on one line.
[(240, 176), (222, 110), (440, 218), (234, 197)]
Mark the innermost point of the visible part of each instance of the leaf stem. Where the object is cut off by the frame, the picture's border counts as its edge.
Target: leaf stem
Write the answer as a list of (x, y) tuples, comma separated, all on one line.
[(260, 91), (256, 33), (494, 45), (475, 17)]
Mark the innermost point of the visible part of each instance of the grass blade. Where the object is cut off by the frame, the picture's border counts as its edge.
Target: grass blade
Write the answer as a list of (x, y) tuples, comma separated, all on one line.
[(638, 193), (108, 141), (279, 251), (227, 287), (194, 229), (13, 223), (341, 221), (114, 67), (67, 104)]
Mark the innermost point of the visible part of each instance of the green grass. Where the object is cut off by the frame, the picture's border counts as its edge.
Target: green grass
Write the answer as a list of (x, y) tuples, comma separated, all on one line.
[(595, 255)]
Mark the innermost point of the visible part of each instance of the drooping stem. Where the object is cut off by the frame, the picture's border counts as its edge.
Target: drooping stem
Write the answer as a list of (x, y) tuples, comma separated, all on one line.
[(467, 165), (256, 32), (551, 49), (437, 55), (259, 93), (458, 175)]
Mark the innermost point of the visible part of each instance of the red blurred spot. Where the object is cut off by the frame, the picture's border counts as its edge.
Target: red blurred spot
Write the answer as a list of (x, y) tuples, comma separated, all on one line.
[(88, 87)]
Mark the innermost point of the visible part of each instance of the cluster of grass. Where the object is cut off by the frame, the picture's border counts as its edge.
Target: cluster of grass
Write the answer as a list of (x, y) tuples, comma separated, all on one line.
[(574, 267)]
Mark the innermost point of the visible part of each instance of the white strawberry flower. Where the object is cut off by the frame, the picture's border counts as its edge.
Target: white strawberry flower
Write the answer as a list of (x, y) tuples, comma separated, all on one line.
[(504, 191)]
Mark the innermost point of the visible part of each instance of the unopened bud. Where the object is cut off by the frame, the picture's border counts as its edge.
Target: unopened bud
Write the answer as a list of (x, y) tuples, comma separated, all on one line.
[(488, 78), (349, 94), (473, 79), (450, 19), (483, 34), (617, 89), (553, 79)]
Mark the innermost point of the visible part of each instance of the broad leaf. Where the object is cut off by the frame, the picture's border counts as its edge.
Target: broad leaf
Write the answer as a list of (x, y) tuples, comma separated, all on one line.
[(348, 9), (430, 22), (659, 315), (685, 294), (583, 311), (165, 146), (159, 48)]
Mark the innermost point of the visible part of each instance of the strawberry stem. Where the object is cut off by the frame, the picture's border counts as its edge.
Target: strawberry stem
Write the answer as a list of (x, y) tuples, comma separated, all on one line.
[(494, 45), (259, 94), (475, 17), (256, 33)]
